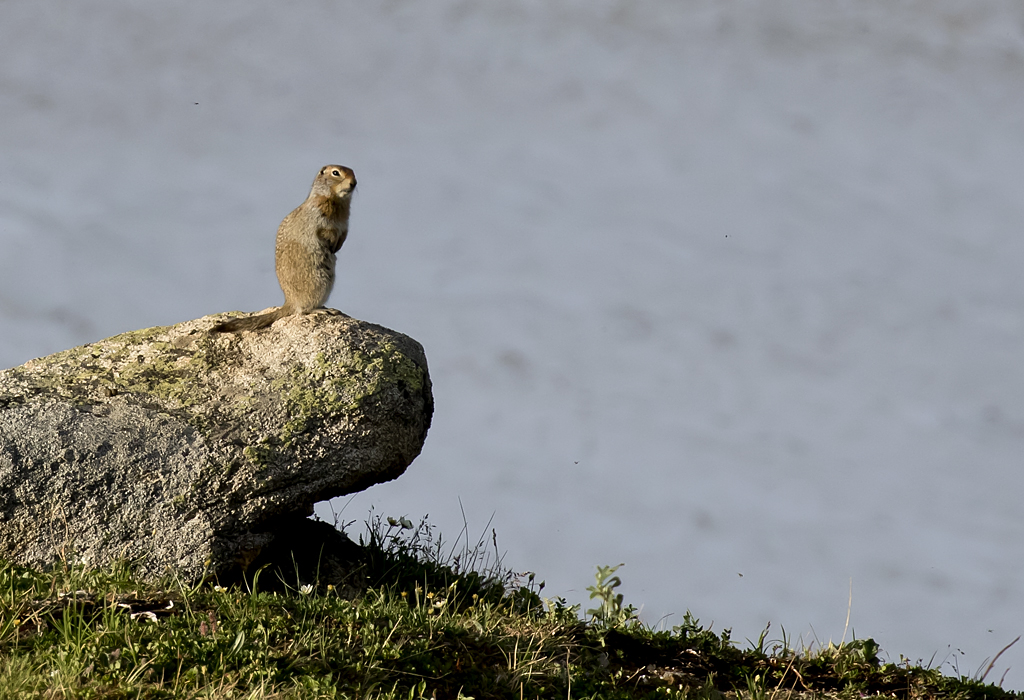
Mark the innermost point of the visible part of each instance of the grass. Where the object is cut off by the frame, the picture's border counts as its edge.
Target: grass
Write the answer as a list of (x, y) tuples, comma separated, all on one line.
[(417, 620)]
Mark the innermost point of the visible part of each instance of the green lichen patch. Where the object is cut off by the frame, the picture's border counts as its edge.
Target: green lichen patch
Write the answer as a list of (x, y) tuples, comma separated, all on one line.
[(327, 390), (137, 362), (390, 363), (260, 456)]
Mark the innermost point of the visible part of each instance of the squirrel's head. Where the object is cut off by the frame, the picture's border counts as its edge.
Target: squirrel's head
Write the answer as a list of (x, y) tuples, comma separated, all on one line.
[(339, 180)]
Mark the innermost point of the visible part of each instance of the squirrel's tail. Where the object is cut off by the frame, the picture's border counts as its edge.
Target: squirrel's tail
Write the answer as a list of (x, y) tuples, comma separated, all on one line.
[(250, 323)]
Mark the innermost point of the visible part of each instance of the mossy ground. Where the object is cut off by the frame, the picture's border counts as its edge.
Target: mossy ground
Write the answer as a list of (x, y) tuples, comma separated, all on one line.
[(425, 623)]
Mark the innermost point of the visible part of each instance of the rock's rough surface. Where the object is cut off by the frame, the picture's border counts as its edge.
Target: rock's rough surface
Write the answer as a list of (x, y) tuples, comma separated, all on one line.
[(177, 448)]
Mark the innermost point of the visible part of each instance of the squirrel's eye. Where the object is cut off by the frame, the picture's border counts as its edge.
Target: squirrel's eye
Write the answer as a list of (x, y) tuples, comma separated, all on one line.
[(335, 173)]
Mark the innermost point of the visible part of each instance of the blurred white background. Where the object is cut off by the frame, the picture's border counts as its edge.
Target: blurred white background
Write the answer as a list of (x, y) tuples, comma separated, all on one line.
[(728, 291)]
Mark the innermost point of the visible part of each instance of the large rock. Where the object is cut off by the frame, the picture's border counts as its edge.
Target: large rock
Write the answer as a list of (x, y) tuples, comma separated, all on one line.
[(180, 449)]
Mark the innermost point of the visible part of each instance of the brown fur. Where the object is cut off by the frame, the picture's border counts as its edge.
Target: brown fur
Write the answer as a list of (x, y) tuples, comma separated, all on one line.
[(306, 243)]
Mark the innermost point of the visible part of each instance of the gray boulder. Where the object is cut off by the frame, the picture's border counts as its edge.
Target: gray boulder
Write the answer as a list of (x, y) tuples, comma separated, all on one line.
[(179, 449)]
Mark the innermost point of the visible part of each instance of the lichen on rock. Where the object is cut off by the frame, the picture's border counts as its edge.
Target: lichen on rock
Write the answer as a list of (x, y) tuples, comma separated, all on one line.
[(175, 447)]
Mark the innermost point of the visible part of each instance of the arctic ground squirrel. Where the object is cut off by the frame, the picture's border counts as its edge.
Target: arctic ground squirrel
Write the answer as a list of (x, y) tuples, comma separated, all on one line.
[(307, 241)]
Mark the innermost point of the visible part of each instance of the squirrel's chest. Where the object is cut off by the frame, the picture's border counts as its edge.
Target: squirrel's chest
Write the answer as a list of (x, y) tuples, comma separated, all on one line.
[(331, 237)]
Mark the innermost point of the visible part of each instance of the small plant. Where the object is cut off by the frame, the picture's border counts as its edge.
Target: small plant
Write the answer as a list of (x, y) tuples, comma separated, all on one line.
[(756, 688), (610, 613)]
